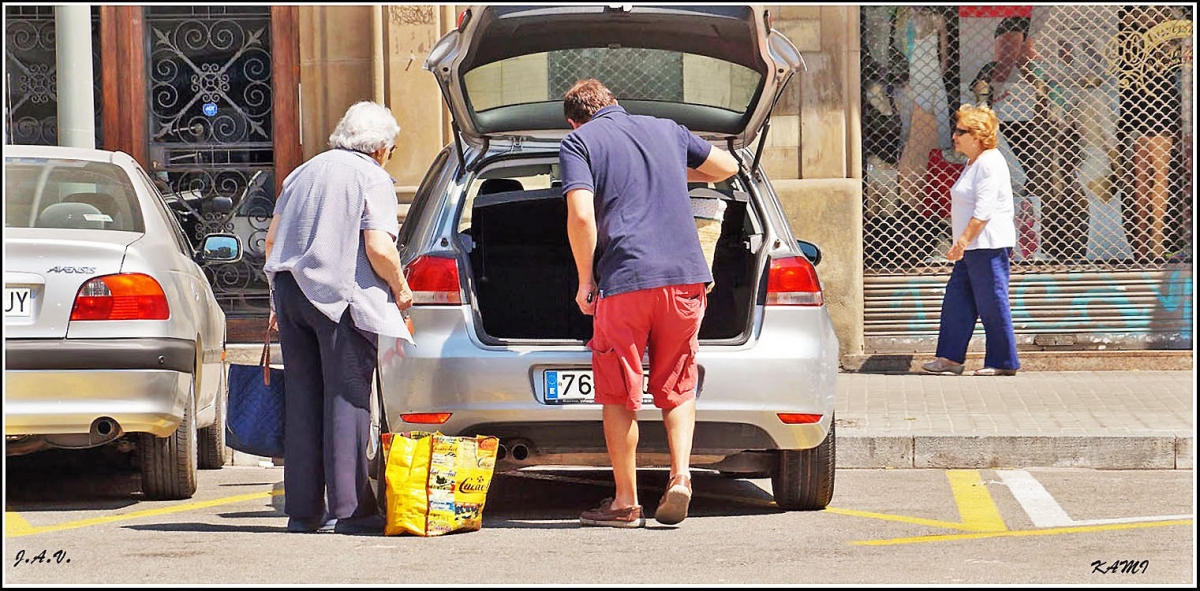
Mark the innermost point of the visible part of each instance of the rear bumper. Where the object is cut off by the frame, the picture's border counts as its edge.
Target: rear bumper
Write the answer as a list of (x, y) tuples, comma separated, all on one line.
[(100, 354), (53, 402), (499, 390)]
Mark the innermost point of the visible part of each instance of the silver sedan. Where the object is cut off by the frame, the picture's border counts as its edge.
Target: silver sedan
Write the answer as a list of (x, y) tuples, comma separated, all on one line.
[(112, 332)]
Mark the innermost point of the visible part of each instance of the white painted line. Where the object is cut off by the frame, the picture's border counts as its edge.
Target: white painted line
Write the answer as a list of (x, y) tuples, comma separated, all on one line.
[(1044, 511), (1041, 508)]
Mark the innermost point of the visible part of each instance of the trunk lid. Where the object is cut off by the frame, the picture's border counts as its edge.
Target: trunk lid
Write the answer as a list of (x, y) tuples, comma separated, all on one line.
[(716, 69), (47, 271)]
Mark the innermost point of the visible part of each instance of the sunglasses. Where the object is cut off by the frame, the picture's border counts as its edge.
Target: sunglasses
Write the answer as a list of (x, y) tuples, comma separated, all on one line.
[(960, 131)]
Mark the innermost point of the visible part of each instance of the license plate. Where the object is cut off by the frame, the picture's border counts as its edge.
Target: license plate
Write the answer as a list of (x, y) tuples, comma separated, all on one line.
[(578, 386), (18, 302)]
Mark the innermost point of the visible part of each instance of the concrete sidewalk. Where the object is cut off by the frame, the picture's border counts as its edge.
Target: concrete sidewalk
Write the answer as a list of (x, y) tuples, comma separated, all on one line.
[(1087, 419)]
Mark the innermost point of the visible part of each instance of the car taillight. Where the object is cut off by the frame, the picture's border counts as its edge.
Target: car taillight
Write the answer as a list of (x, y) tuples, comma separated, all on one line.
[(434, 280), (792, 281), (426, 418), (128, 296), (793, 418)]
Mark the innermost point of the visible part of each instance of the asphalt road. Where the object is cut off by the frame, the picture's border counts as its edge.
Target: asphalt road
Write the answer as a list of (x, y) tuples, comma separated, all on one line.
[(77, 519)]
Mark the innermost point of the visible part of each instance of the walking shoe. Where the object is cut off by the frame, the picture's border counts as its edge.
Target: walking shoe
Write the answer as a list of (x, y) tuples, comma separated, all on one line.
[(371, 524), (673, 506), (993, 371), (943, 367), (307, 526), (605, 516)]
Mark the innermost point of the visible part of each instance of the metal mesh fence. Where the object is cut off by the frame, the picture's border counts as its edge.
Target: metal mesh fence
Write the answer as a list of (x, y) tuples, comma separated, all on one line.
[(627, 71), (1095, 105)]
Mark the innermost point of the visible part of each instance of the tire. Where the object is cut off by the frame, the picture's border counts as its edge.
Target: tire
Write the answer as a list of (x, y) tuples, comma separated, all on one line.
[(212, 439), (803, 479), (168, 464)]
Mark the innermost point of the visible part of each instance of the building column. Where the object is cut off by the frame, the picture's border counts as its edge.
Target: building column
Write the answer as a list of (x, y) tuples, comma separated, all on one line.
[(73, 65)]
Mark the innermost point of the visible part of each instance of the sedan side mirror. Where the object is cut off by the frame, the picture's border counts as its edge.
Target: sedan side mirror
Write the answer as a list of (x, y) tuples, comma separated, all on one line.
[(811, 251), (220, 248)]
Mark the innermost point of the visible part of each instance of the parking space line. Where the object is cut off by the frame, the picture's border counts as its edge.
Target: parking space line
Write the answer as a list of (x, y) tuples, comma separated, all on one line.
[(1022, 533), (23, 528), (1044, 511), (975, 504), (903, 519)]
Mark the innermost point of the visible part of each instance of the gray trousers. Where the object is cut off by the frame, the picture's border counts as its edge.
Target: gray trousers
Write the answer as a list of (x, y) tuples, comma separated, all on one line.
[(329, 367)]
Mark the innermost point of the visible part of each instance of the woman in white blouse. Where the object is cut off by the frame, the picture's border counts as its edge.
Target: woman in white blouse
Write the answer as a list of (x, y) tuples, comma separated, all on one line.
[(981, 213)]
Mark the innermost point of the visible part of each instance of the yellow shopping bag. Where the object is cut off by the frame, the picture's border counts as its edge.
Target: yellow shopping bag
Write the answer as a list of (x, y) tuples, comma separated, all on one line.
[(435, 484)]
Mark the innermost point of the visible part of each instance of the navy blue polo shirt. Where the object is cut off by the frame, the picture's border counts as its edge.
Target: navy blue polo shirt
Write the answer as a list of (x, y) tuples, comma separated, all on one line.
[(636, 166)]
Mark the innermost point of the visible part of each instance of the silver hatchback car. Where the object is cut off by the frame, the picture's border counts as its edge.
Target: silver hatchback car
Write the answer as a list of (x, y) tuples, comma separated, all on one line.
[(111, 330), (500, 343)]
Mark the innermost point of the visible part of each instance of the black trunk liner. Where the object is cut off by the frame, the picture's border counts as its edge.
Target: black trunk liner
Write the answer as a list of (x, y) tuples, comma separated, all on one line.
[(525, 278)]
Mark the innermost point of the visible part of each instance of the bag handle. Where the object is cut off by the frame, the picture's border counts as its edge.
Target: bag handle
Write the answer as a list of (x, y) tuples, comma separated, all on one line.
[(265, 359)]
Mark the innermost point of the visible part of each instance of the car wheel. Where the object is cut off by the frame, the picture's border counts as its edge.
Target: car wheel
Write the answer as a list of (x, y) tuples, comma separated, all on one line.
[(803, 479), (212, 439), (168, 464)]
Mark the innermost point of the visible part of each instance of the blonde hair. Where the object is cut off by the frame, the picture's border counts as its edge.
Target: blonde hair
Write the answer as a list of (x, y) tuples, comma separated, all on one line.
[(982, 122)]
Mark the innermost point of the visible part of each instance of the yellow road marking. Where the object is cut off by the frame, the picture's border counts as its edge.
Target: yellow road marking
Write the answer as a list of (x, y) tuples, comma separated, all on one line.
[(1022, 533), (902, 519), (23, 528), (15, 525), (975, 504)]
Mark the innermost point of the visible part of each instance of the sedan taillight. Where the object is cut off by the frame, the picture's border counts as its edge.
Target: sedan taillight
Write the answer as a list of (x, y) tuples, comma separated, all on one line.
[(128, 296), (792, 281)]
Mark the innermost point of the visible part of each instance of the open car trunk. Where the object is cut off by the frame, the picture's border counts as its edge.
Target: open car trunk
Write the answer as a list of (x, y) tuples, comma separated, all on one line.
[(524, 277)]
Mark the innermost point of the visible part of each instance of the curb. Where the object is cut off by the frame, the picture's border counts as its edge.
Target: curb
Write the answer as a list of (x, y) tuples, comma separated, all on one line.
[(1101, 452)]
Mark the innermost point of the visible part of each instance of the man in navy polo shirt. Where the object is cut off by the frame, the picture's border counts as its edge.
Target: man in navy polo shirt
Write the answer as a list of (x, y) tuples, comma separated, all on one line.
[(625, 180)]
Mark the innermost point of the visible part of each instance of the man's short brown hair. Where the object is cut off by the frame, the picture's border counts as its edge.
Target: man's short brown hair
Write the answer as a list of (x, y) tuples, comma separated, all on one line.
[(585, 98)]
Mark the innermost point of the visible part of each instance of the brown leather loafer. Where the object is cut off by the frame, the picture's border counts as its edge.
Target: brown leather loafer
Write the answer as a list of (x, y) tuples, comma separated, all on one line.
[(606, 516), (673, 506)]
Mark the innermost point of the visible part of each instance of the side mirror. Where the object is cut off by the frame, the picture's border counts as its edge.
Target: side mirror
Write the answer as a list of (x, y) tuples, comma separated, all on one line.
[(220, 248), (222, 204), (811, 251)]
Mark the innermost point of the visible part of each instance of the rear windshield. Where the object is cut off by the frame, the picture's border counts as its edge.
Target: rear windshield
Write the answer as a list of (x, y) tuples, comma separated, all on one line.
[(70, 194), (631, 73)]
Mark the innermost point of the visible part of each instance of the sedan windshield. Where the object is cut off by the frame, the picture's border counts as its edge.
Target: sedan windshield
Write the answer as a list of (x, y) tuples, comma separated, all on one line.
[(69, 194)]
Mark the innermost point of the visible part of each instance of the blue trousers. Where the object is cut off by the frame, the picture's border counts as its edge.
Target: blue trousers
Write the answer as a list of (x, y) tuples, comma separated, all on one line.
[(328, 367), (978, 289)]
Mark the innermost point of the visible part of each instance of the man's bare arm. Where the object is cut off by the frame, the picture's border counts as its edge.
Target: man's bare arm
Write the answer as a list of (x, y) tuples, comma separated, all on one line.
[(581, 231), (719, 166)]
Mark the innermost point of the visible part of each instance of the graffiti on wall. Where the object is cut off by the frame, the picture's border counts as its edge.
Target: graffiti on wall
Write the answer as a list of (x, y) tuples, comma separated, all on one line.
[(1154, 304)]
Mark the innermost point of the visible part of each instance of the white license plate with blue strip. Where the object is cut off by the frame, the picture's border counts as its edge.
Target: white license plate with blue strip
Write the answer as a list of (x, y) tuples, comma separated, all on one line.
[(570, 386)]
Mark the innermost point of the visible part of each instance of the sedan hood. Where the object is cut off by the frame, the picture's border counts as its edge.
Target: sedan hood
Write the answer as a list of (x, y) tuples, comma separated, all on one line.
[(48, 267), (716, 69)]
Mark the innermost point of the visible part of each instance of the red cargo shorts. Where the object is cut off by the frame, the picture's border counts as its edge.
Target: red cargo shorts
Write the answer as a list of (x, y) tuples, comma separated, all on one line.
[(667, 319)]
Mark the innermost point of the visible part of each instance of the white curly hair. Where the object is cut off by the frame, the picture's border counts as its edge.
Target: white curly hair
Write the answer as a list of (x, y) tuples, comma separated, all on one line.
[(366, 127)]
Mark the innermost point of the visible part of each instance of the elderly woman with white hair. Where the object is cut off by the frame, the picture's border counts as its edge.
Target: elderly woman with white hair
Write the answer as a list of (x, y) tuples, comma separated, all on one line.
[(336, 284)]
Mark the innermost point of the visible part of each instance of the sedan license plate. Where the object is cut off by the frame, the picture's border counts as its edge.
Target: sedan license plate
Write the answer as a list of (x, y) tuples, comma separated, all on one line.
[(18, 302), (578, 386)]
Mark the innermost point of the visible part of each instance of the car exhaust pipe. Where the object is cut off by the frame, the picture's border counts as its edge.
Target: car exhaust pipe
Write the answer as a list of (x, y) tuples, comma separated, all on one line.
[(502, 452), (103, 430), (520, 451)]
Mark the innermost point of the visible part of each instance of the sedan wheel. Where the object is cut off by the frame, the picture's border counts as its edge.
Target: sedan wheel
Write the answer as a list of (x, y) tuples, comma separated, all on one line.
[(168, 464), (803, 479), (212, 438)]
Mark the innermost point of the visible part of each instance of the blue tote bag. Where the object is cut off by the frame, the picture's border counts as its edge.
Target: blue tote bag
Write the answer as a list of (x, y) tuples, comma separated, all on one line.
[(256, 407)]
